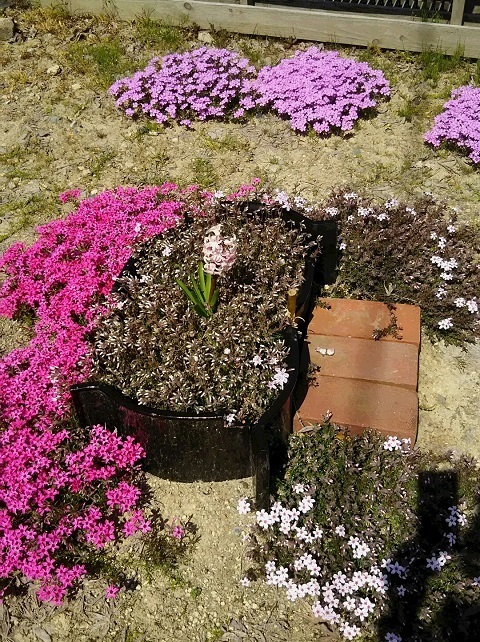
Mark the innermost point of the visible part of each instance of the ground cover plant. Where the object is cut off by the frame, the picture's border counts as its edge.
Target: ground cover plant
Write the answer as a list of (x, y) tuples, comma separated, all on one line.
[(315, 89), (320, 90), (195, 85), (381, 540), (459, 122), (417, 254), (67, 493), (157, 344)]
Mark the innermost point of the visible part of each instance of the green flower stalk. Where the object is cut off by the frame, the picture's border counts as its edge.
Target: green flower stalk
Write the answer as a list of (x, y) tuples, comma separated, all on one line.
[(219, 255)]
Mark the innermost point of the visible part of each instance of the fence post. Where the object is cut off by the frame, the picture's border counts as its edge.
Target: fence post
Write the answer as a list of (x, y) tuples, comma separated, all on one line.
[(457, 12)]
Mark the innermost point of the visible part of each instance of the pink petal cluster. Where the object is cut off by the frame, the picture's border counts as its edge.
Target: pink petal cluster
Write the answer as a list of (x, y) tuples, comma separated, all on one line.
[(200, 84), (459, 122), (320, 89), (219, 252), (61, 489)]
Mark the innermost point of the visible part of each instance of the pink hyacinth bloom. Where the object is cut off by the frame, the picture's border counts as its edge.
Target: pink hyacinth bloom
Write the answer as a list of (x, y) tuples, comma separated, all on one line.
[(219, 252)]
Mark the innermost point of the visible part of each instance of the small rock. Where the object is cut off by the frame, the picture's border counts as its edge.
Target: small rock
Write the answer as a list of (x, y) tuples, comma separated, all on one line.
[(6, 28), (205, 36), (42, 634), (54, 70), (31, 188), (441, 400), (76, 86)]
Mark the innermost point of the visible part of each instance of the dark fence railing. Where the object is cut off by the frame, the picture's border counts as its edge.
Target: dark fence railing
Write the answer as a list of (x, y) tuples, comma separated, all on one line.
[(428, 10)]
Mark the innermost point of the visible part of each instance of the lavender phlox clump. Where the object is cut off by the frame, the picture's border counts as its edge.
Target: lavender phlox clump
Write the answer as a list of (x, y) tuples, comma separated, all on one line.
[(200, 84), (348, 598), (219, 252), (320, 89), (459, 123), (436, 563), (445, 324), (455, 517), (394, 443)]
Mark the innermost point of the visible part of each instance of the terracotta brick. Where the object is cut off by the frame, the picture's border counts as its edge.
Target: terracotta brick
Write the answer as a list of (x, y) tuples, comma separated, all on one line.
[(358, 319), (361, 404), (395, 363)]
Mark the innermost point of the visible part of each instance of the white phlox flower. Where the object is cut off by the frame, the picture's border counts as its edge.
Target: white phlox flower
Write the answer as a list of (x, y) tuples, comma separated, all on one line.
[(306, 504), (243, 506), (445, 324)]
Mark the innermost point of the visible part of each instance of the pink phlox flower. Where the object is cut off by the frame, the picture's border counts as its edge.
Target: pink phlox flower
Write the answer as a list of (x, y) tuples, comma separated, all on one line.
[(111, 592)]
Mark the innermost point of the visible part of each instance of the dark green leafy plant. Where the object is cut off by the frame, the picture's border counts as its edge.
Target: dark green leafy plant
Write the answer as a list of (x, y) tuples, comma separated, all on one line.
[(382, 540), (416, 254), (168, 352)]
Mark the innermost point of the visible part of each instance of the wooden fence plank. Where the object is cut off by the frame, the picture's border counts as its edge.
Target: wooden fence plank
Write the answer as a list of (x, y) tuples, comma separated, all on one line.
[(320, 26), (458, 8)]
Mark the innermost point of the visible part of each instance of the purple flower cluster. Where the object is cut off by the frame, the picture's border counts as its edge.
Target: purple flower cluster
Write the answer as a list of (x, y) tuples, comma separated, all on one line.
[(459, 123), (204, 83), (320, 89)]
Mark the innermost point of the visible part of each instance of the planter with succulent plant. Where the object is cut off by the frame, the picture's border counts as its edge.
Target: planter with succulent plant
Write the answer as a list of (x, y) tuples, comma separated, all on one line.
[(199, 354)]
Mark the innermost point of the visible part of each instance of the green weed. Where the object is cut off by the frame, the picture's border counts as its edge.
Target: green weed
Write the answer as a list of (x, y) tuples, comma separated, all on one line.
[(30, 213), (378, 59), (434, 62), (24, 164), (204, 173), (163, 36), (53, 19), (147, 127), (105, 61), (227, 143), (221, 37), (215, 634), (100, 162), (412, 108)]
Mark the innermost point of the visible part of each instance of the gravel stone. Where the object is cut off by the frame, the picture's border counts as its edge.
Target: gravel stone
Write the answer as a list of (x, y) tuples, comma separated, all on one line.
[(7, 29)]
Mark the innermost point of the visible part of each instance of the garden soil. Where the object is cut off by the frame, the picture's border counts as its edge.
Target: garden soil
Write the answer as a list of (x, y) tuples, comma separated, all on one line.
[(59, 129)]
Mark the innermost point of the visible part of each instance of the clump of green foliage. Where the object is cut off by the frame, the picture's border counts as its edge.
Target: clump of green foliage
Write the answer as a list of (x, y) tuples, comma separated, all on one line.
[(378, 537)]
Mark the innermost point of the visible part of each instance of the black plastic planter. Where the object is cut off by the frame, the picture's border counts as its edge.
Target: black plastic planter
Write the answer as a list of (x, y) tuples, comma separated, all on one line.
[(326, 264), (191, 447), (194, 447)]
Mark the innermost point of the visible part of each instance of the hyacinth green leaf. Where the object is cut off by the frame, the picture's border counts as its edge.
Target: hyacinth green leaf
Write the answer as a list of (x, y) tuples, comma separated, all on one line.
[(201, 311), (190, 295), (200, 297), (208, 285), (201, 279), (214, 300)]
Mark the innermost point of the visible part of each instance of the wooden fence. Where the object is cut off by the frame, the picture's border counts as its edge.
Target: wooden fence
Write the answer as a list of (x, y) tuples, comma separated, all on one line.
[(353, 28)]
